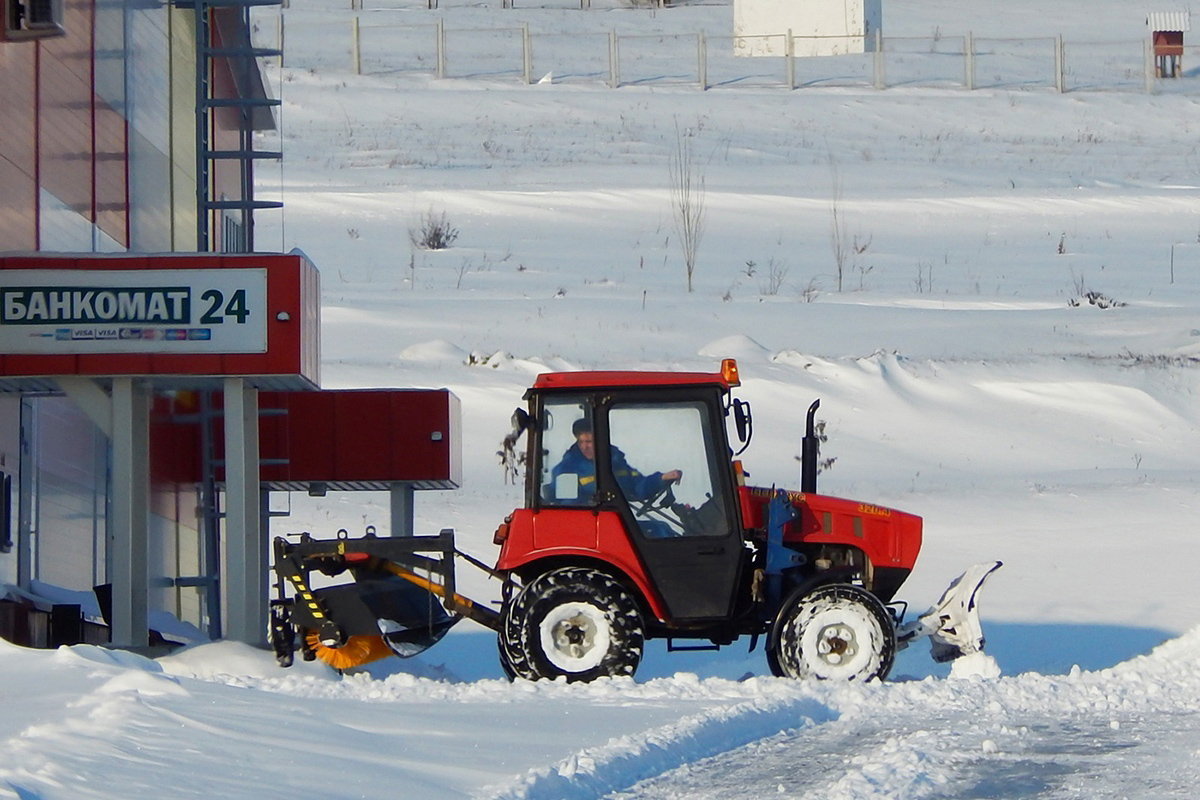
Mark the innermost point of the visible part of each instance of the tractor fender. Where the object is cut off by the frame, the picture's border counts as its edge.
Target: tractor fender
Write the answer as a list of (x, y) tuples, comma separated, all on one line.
[(535, 542), (826, 578), (558, 558)]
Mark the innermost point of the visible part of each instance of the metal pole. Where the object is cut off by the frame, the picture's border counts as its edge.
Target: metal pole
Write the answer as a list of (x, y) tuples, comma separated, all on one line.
[(1059, 65), (789, 50), (402, 497), (245, 549), (702, 61), (879, 82), (1148, 61), (355, 52), (130, 536), (969, 51), (614, 67), (441, 47), (210, 518), (279, 36), (526, 54), (26, 520), (202, 139)]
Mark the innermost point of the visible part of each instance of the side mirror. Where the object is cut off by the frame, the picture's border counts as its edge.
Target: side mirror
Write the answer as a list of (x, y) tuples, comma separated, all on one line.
[(520, 421), (743, 422)]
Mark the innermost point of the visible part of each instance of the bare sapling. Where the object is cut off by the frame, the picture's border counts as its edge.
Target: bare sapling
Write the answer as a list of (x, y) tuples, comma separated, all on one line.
[(839, 239), (687, 199)]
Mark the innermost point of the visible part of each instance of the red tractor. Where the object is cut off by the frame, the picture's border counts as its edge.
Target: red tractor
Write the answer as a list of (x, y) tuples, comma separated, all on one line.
[(638, 523)]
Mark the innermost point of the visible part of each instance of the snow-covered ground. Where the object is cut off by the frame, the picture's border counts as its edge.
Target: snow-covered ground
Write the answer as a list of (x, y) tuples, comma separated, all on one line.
[(963, 375)]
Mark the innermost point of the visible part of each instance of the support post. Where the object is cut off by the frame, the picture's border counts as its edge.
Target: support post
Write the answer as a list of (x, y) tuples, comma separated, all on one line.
[(969, 54), (789, 53), (526, 55), (441, 47), (1059, 80), (355, 50), (1148, 61), (702, 61), (614, 66), (879, 79), (245, 548), (402, 498), (129, 537), (26, 520)]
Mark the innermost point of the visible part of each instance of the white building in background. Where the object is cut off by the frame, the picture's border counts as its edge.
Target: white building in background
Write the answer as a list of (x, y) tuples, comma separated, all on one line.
[(818, 27)]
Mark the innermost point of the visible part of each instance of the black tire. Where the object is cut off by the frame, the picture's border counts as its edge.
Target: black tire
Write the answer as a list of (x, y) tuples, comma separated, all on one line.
[(508, 638), (282, 633), (576, 623), (505, 661), (773, 659), (835, 632)]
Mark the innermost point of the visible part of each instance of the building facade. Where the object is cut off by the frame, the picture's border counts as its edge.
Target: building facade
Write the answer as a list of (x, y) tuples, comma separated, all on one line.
[(122, 131), (816, 27)]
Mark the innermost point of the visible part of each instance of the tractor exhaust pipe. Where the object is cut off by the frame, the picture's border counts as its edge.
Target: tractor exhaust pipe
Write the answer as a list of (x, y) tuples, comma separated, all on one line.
[(810, 451)]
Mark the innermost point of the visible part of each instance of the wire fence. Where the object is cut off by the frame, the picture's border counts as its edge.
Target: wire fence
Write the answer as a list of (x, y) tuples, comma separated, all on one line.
[(367, 46)]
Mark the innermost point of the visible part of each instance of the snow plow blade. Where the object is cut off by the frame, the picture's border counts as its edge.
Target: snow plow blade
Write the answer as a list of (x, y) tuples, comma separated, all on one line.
[(386, 608), (952, 624), (401, 618)]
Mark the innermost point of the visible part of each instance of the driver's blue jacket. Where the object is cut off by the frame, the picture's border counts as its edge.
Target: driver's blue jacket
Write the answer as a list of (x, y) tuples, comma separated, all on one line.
[(634, 484)]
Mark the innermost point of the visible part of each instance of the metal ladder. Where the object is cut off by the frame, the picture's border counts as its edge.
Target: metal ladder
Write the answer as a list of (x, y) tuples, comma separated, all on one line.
[(241, 57)]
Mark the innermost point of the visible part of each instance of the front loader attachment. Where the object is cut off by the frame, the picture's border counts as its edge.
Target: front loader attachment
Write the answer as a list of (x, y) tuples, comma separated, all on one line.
[(399, 602), (952, 624)]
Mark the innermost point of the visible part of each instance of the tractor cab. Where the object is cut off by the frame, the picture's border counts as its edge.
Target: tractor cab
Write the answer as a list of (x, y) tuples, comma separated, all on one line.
[(634, 469)]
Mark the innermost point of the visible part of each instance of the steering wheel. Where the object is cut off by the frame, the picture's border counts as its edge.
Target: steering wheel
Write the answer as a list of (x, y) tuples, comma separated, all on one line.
[(663, 497)]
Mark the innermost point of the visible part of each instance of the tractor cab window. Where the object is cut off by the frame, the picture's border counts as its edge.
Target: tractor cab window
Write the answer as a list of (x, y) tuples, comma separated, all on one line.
[(567, 472), (663, 459)]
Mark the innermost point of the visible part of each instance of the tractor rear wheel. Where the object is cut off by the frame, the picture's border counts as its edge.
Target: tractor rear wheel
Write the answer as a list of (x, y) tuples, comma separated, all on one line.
[(835, 632), (576, 623)]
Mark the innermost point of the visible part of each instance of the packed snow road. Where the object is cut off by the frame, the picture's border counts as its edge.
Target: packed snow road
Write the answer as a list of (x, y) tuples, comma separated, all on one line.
[(1132, 731), (949, 755)]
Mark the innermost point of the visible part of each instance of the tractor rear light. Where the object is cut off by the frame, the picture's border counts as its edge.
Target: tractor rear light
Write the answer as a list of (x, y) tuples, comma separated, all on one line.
[(729, 371), (501, 533)]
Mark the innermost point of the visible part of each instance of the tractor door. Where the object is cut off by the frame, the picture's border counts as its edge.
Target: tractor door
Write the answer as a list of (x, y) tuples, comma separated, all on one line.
[(685, 529)]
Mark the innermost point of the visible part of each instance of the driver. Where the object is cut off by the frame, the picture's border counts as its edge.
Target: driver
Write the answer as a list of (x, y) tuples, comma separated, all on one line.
[(580, 459)]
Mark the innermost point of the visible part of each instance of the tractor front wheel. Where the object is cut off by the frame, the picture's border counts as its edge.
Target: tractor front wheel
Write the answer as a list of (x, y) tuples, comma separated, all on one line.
[(574, 622), (508, 641), (836, 632)]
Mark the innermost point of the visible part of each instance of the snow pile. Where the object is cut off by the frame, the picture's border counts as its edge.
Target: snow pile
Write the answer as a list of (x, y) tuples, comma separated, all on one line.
[(91, 723)]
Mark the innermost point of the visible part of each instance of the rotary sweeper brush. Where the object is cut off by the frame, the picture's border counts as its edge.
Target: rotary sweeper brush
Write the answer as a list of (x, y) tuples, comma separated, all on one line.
[(638, 523)]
